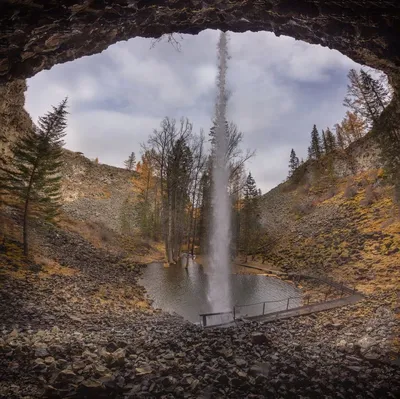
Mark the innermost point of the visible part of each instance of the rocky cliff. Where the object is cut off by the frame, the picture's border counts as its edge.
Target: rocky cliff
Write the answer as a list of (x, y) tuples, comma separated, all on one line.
[(97, 193), (91, 191), (14, 120), (37, 34)]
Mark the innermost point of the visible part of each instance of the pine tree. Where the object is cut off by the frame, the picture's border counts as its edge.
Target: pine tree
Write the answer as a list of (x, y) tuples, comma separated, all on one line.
[(330, 140), (250, 214), (366, 97), (130, 162), (293, 162), (376, 92), (250, 188), (325, 148), (32, 182), (315, 150)]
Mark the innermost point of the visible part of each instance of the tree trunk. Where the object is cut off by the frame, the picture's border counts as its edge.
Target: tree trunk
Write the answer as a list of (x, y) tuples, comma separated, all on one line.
[(25, 227)]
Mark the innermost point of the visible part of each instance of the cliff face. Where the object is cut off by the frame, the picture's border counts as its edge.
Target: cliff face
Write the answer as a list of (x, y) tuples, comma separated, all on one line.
[(97, 193), (38, 34), (91, 191), (14, 120)]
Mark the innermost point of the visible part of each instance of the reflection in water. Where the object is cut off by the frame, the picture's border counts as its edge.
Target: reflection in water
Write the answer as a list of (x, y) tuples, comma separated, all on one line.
[(184, 291)]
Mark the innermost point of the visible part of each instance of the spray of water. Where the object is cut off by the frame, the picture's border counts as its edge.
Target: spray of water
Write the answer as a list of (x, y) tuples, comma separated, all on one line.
[(219, 294)]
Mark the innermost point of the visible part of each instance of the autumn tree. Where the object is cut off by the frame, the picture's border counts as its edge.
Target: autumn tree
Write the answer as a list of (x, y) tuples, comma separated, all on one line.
[(32, 182), (147, 196), (352, 128), (130, 162)]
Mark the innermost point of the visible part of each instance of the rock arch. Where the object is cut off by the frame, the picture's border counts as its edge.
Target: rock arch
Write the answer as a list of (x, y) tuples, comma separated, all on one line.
[(37, 34)]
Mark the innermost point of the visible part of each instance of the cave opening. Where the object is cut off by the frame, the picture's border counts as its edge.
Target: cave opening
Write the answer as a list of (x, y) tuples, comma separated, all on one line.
[(279, 88)]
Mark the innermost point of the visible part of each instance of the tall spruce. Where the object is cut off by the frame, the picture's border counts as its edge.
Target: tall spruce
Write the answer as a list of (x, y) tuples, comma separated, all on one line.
[(250, 225), (315, 149), (293, 162), (130, 163), (32, 182), (377, 93), (330, 140), (325, 148)]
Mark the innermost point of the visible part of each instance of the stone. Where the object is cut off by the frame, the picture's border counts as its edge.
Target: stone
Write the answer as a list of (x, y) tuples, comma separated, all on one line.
[(76, 366), (366, 343), (240, 362), (260, 369), (169, 356), (41, 350), (258, 338), (49, 360), (117, 358), (90, 387), (143, 370), (341, 345), (223, 379)]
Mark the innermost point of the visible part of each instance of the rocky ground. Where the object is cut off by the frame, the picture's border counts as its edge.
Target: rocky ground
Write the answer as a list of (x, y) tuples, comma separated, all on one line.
[(80, 326)]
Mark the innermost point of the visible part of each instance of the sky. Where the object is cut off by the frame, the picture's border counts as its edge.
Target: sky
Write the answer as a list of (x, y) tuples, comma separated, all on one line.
[(279, 89)]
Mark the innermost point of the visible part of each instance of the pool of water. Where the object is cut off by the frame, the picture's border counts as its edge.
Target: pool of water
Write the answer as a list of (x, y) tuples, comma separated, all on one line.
[(184, 291)]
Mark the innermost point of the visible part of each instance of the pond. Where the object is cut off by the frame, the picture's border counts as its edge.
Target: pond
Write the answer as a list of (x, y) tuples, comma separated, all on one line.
[(184, 291)]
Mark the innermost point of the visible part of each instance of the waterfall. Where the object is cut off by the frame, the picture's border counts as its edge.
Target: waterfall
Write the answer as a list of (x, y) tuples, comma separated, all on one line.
[(219, 294)]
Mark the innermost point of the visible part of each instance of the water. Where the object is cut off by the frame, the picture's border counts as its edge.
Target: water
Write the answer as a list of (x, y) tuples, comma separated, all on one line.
[(219, 289), (184, 291)]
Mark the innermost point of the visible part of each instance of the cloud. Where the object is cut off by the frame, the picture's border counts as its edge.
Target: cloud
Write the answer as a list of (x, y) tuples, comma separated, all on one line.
[(279, 88)]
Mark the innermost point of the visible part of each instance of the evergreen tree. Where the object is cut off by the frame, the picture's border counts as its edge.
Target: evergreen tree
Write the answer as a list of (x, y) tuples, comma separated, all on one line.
[(330, 140), (315, 150), (293, 162), (339, 137), (251, 226), (32, 182), (130, 162), (376, 92), (325, 148)]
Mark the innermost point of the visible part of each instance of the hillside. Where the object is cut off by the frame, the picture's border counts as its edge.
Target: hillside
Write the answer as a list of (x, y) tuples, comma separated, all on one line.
[(344, 225)]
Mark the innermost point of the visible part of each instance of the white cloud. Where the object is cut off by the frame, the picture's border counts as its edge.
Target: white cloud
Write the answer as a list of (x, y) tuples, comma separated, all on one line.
[(280, 87)]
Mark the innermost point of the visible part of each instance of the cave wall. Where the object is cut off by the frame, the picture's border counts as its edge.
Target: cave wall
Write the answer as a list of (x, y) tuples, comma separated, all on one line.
[(37, 34)]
